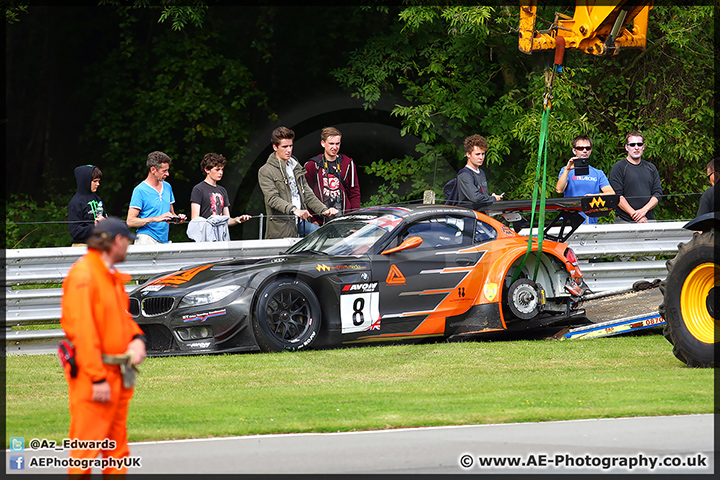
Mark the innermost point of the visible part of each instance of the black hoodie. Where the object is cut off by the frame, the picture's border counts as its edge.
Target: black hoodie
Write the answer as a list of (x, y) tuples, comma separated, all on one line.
[(84, 206)]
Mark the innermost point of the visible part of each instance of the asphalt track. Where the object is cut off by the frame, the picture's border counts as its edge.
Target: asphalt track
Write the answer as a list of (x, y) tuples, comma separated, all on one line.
[(566, 447)]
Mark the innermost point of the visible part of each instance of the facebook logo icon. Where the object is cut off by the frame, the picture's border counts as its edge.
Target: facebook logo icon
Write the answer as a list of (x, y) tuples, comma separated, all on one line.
[(17, 462)]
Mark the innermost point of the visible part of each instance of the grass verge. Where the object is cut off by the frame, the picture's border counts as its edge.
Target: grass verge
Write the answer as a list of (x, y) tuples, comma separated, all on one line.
[(377, 387)]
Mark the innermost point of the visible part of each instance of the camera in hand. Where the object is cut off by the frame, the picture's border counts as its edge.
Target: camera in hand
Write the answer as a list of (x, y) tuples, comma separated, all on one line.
[(175, 220), (582, 167)]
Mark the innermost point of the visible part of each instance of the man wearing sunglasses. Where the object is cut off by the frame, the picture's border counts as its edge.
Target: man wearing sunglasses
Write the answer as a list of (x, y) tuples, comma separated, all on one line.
[(709, 201), (637, 181), (579, 178)]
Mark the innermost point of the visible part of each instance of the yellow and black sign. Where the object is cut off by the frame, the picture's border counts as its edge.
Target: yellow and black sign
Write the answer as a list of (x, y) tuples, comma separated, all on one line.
[(599, 205)]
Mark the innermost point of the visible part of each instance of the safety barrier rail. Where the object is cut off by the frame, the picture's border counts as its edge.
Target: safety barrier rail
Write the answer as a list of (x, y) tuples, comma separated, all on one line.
[(595, 246)]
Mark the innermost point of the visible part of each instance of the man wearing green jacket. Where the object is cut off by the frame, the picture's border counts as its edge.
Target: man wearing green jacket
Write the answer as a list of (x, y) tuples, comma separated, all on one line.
[(287, 194)]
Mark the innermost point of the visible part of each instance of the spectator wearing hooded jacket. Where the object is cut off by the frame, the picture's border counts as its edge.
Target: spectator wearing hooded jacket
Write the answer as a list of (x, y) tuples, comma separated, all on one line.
[(333, 176), (85, 208)]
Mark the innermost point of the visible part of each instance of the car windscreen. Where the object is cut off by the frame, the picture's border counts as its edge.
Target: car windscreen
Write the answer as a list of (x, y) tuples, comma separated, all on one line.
[(353, 235)]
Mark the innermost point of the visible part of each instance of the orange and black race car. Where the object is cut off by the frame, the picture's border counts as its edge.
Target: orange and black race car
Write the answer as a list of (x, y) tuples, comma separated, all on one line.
[(378, 274)]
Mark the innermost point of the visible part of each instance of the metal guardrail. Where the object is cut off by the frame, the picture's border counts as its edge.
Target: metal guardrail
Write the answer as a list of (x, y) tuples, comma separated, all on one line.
[(594, 245), (50, 265), (39, 266)]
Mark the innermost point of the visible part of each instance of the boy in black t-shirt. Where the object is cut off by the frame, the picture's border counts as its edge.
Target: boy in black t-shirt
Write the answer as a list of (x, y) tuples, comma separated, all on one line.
[(209, 199)]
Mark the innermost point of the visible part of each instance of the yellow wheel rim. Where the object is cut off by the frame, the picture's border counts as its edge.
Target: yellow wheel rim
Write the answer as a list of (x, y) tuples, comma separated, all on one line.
[(694, 298)]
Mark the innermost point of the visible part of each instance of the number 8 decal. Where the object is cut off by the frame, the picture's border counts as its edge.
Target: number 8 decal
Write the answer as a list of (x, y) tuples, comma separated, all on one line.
[(358, 317), (359, 308)]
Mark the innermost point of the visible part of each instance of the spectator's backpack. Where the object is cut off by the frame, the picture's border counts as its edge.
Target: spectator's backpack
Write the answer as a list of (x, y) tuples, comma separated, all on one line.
[(450, 190)]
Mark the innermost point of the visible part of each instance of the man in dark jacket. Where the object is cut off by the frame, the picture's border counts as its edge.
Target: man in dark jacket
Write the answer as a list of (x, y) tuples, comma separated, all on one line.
[(637, 181), (472, 183), (286, 192), (333, 176), (85, 208), (709, 201)]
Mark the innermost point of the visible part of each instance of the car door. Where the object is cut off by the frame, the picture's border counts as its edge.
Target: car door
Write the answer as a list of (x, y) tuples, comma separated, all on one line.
[(413, 283)]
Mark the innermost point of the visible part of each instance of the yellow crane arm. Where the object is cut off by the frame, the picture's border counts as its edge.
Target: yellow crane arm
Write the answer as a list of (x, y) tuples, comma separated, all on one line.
[(598, 27)]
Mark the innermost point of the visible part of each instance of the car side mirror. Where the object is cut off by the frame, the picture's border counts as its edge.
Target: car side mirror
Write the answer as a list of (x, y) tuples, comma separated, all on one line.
[(409, 243)]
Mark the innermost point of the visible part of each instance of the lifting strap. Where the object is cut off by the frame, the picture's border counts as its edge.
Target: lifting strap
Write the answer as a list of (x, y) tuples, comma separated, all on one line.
[(541, 184)]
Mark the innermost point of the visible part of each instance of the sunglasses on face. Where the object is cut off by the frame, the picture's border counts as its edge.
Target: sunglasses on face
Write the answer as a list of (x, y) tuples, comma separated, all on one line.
[(583, 148), (639, 144)]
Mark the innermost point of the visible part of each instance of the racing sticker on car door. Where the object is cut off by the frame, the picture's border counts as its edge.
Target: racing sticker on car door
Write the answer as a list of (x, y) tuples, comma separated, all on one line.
[(359, 307)]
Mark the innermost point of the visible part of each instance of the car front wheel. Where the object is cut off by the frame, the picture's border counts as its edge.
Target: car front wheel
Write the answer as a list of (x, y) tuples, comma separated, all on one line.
[(287, 316)]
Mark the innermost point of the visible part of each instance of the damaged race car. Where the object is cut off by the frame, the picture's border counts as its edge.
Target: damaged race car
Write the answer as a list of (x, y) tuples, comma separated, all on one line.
[(378, 274)]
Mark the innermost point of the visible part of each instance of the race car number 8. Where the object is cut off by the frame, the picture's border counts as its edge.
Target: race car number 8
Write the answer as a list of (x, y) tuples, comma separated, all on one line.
[(359, 312), (357, 317)]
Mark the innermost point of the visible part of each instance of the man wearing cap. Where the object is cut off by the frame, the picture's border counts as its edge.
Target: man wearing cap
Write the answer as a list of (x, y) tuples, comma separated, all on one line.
[(107, 345)]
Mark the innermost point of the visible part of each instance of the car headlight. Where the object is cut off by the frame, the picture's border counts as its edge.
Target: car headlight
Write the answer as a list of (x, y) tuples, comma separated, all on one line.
[(208, 295)]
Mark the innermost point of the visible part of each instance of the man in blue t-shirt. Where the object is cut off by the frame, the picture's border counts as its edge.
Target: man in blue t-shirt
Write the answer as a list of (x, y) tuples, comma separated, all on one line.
[(151, 205), (580, 185)]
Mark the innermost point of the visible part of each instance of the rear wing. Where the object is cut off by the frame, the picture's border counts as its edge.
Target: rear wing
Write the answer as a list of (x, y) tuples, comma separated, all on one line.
[(566, 212)]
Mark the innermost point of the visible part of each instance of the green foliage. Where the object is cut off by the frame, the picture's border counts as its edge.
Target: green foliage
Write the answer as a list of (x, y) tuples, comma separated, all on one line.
[(458, 71), (31, 225), (179, 95), (432, 58), (180, 16), (183, 15), (13, 9)]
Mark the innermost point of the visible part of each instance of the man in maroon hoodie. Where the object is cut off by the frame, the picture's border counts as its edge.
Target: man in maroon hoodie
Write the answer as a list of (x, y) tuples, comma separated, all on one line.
[(333, 176)]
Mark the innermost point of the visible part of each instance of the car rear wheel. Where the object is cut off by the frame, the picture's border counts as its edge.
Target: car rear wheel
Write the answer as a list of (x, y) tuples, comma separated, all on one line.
[(287, 316), (523, 299)]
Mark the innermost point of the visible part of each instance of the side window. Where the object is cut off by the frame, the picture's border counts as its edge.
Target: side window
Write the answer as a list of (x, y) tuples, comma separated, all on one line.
[(442, 232), (484, 232)]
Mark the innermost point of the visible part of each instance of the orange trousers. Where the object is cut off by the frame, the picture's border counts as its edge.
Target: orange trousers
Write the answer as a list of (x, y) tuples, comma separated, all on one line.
[(99, 421)]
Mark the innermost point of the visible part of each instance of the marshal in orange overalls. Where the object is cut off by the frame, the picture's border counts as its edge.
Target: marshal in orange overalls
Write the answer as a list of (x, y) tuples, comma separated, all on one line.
[(96, 321)]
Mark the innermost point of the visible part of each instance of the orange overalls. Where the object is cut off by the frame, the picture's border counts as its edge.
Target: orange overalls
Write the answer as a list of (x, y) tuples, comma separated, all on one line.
[(96, 321)]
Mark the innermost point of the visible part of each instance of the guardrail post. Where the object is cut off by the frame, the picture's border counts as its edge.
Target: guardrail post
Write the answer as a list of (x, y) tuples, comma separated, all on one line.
[(262, 218)]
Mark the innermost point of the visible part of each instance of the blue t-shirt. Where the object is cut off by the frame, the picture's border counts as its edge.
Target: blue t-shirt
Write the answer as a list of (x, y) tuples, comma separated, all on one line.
[(151, 204), (578, 186)]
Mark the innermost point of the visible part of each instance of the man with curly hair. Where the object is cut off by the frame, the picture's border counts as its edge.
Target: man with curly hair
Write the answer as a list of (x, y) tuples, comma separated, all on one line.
[(471, 180), (210, 203)]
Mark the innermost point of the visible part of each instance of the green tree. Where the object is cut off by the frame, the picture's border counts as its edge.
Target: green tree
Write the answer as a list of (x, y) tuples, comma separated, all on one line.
[(33, 224), (431, 56), (459, 72), (179, 93)]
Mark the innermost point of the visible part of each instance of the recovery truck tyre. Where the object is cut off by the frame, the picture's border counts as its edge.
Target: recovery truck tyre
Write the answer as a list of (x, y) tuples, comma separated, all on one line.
[(688, 307)]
